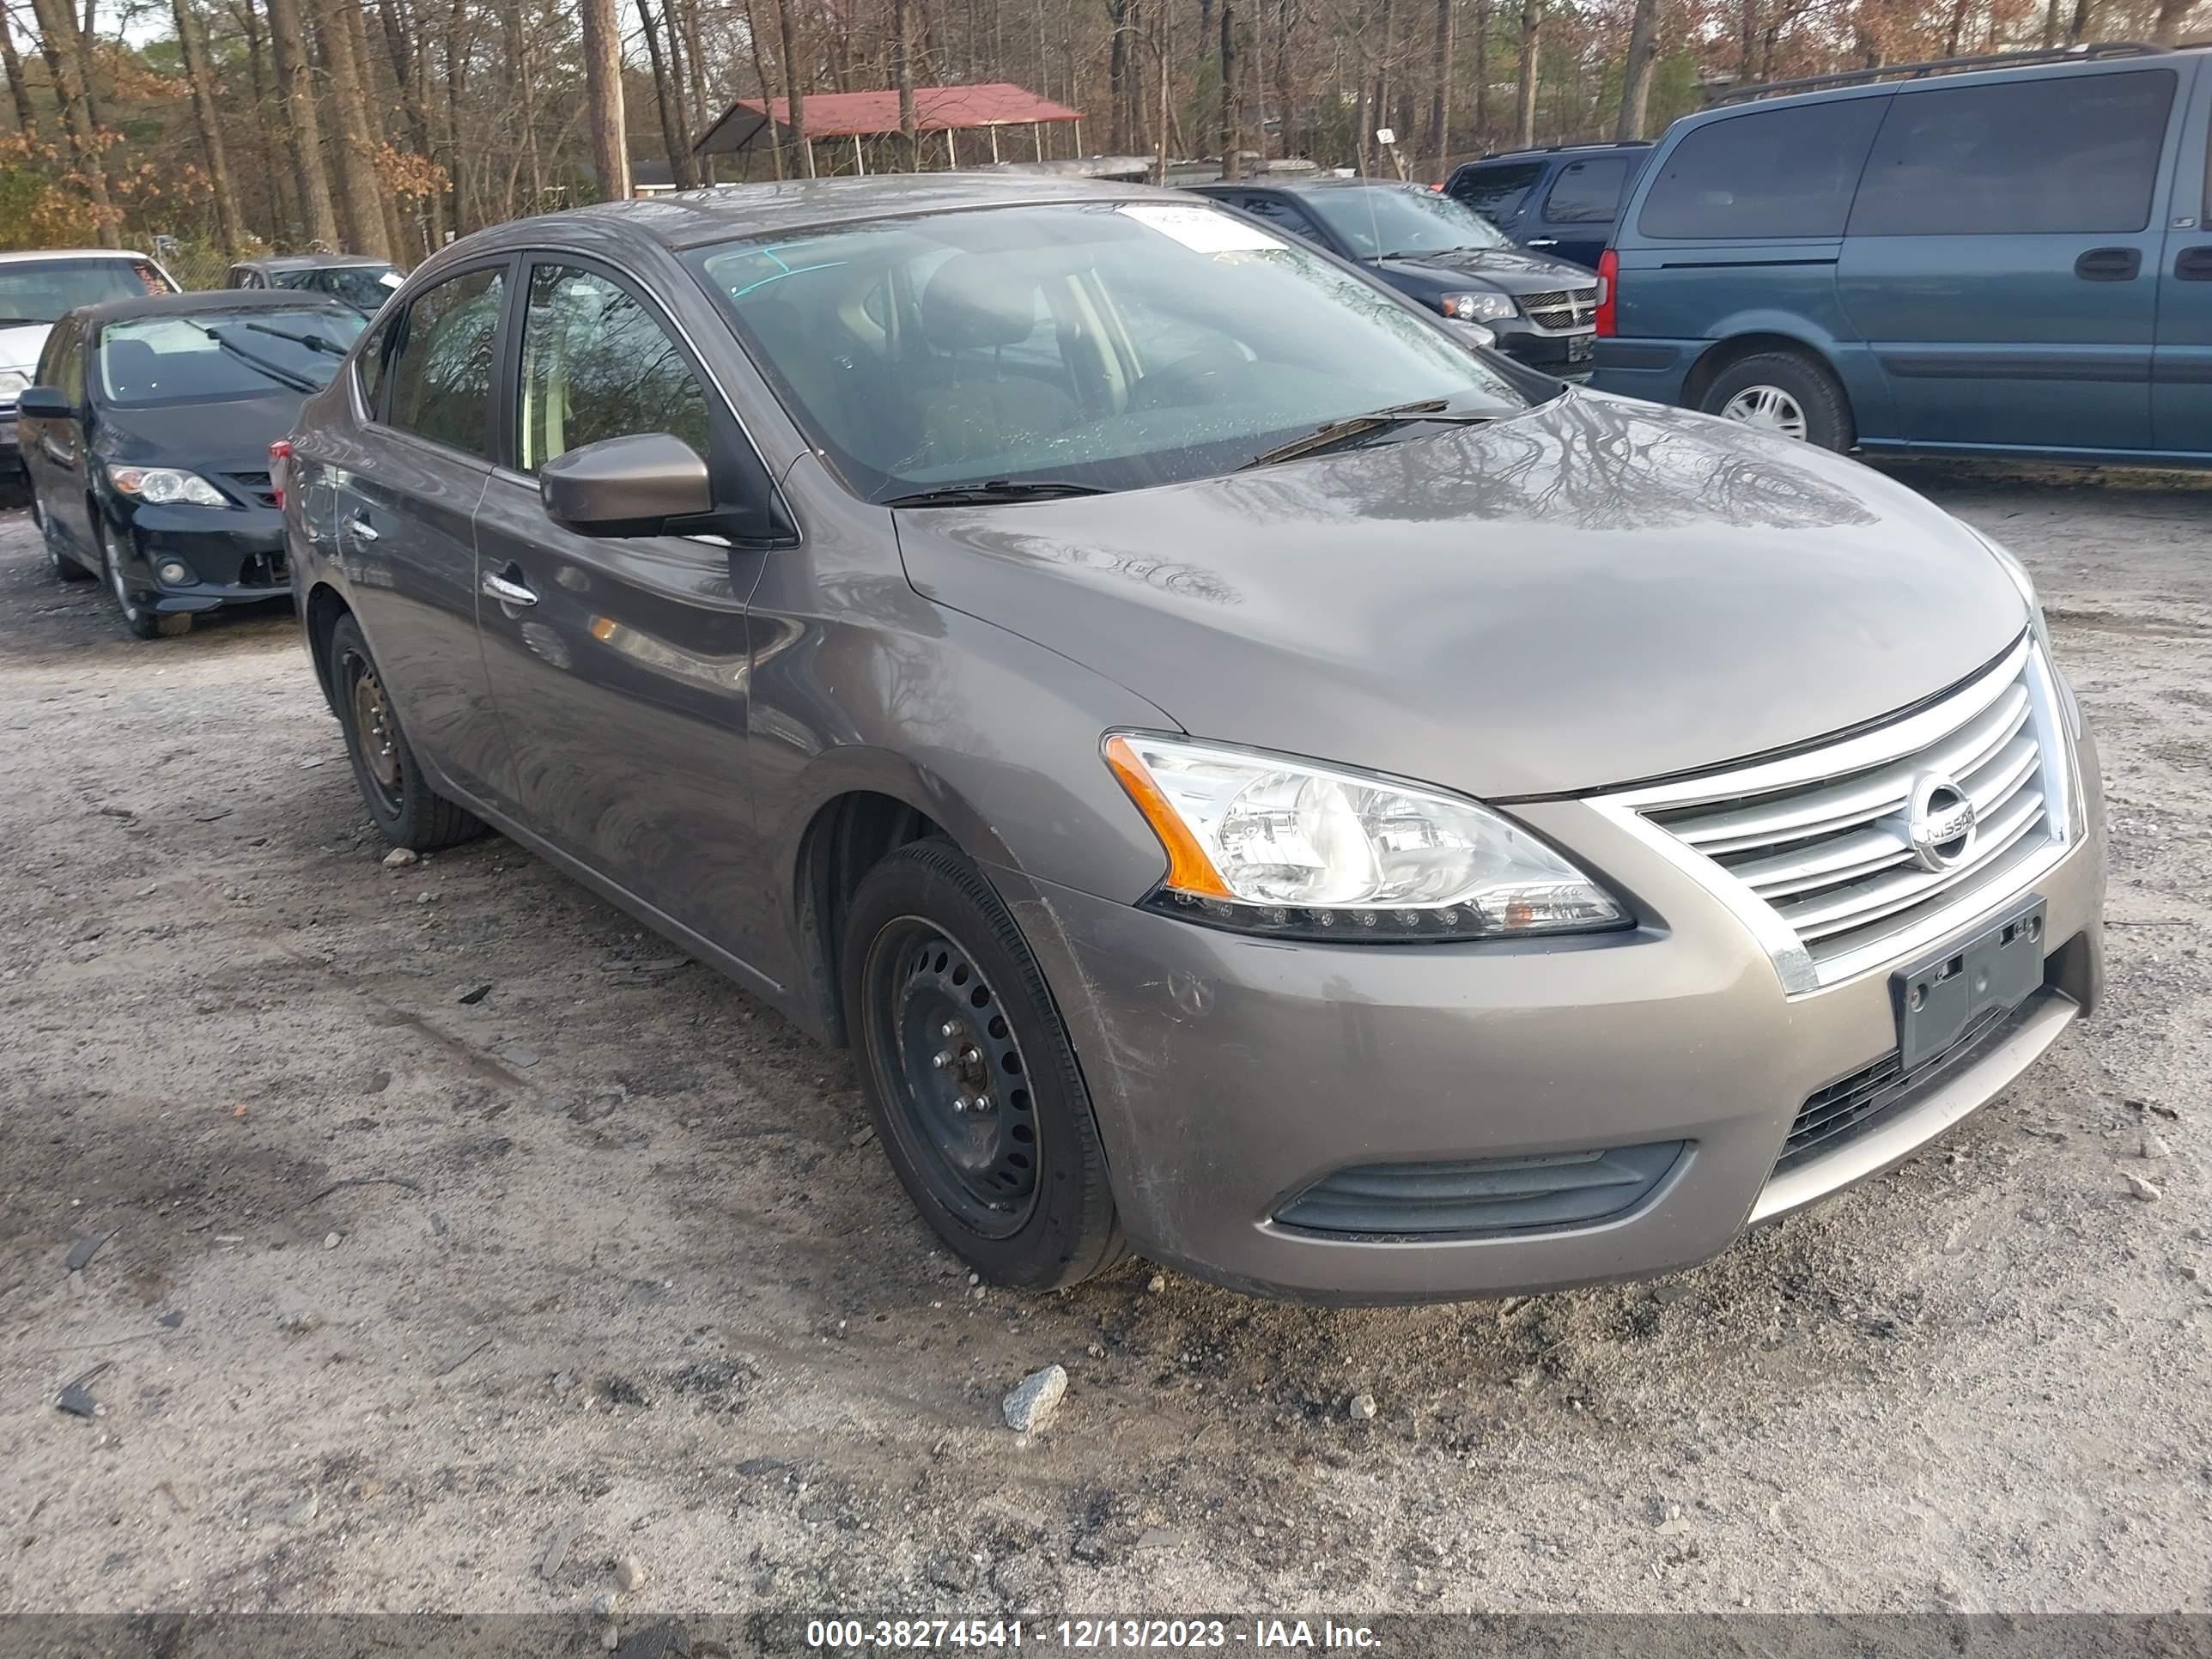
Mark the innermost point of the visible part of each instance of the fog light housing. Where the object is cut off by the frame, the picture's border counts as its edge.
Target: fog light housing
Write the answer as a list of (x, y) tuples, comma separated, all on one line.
[(174, 572)]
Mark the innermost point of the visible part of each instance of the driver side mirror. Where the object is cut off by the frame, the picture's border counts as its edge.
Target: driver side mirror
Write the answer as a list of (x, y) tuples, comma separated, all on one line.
[(45, 403), (632, 486)]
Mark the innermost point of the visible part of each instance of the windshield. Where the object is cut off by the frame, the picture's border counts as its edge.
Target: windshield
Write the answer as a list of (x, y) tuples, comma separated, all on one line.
[(1379, 220), (40, 290), (1113, 345), (216, 355), (364, 286)]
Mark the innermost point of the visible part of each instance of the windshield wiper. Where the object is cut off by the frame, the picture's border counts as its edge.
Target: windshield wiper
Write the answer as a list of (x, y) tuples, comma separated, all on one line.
[(1358, 426), (281, 376), (993, 491), (313, 341)]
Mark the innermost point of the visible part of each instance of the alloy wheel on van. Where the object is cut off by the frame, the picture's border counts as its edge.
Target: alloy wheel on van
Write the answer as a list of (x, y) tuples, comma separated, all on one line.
[(1768, 408)]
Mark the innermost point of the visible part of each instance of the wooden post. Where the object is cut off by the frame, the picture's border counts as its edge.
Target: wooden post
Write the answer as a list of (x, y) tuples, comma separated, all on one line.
[(951, 151), (1037, 136), (1078, 135), (995, 140), (859, 160)]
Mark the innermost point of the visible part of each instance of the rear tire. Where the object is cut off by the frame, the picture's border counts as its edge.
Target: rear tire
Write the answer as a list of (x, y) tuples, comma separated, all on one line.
[(1785, 393), (405, 810), (1015, 1183), (65, 565)]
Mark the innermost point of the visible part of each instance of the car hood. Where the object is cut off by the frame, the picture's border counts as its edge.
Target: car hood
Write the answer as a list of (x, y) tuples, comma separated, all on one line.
[(1508, 270), (1595, 592), (20, 344), (221, 437)]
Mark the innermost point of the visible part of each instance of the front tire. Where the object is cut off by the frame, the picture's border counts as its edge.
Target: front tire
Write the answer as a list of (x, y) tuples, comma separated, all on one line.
[(142, 620), (1785, 393), (405, 810), (970, 1077)]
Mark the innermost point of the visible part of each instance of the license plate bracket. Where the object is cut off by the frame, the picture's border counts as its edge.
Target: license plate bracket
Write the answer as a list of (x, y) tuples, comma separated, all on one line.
[(1997, 968), (1581, 348)]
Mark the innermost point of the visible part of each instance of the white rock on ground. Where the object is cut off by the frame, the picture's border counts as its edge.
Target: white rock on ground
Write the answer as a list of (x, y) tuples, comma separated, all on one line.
[(1033, 1401)]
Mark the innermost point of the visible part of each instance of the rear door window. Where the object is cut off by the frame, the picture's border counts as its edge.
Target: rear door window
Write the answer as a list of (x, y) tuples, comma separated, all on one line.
[(2070, 155), (438, 372), (1587, 192), (1767, 174), (1497, 193)]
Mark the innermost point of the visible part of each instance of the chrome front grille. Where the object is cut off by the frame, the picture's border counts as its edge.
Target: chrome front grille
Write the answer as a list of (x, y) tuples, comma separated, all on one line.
[(1561, 309), (1818, 849)]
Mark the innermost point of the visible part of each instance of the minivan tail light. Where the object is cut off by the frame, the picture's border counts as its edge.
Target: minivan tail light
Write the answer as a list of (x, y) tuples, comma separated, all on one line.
[(1609, 293), (279, 453)]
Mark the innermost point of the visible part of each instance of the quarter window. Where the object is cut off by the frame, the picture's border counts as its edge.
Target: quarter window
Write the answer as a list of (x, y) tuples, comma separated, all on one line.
[(1283, 216), (2070, 155), (439, 367), (1587, 192), (1769, 174), (597, 364)]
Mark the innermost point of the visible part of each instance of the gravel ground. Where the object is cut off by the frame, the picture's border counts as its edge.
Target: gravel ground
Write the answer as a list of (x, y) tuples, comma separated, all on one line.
[(408, 1300)]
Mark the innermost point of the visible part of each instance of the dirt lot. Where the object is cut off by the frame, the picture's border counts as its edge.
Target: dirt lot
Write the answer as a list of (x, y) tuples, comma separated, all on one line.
[(399, 1291)]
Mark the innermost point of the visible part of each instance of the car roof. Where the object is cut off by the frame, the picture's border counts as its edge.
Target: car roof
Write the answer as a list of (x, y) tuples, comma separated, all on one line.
[(1307, 186), (29, 256), (204, 299), (306, 261), (1545, 152), (692, 218)]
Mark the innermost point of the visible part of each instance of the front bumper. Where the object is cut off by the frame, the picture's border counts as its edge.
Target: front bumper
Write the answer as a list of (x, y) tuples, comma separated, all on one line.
[(234, 555), (1229, 1073)]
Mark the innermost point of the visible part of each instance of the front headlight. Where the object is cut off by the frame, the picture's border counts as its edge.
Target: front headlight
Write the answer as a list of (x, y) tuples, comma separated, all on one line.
[(164, 486), (12, 382), (1285, 847), (1476, 308)]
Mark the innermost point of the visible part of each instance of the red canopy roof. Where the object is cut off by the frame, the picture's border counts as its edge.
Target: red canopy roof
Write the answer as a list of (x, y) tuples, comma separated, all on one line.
[(847, 114)]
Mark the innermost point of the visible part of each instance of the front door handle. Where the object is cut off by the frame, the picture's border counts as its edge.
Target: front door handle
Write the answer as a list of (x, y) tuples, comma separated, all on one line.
[(360, 528), (2193, 265), (2109, 264), (1542, 241), (507, 593)]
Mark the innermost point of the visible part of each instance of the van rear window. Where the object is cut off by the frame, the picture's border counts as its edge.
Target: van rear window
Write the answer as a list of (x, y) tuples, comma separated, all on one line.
[(1768, 174), (2063, 155)]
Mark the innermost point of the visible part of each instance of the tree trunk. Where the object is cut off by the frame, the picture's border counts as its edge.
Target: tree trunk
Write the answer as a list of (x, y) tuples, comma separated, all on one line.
[(1748, 26), (1524, 95), (903, 78), (1635, 74), (794, 90), (1440, 60), (1119, 56), (407, 75), (359, 189), (396, 227), (667, 97), (2166, 31), (191, 45), (1482, 73), (1232, 138), (2054, 25), (767, 97), (2084, 19), (603, 91), (295, 89), (58, 33), (87, 38), (1958, 31), (19, 89), (1379, 116)]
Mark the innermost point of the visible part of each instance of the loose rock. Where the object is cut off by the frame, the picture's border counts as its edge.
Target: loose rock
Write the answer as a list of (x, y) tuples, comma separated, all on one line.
[(474, 995), (299, 1323), (1033, 1401), (630, 1572), (303, 1510), (1159, 1283), (2154, 1147), (1362, 1407), (332, 1241), (76, 1399), (399, 857), (2143, 1189)]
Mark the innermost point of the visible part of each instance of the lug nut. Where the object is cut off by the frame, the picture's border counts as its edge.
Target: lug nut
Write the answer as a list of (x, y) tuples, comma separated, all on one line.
[(948, 1030), (941, 1058)]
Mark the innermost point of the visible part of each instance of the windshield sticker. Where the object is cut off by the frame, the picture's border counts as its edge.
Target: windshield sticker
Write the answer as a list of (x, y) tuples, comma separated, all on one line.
[(1202, 230)]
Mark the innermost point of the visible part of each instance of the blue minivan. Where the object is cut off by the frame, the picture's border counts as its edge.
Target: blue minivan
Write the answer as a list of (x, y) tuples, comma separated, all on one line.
[(2014, 260)]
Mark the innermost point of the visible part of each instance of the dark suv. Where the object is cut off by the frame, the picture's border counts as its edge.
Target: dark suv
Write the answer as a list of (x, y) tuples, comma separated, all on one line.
[(1563, 201)]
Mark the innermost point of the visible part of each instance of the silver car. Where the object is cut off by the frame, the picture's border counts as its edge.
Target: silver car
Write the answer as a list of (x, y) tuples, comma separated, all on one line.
[(1255, 782)]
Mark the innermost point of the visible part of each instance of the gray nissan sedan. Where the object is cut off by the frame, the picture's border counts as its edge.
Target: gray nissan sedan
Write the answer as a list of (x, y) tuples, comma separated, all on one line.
[(1256, 782)]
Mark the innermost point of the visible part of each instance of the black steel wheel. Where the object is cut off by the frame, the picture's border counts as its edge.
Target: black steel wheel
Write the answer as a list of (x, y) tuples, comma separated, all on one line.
[(406, 811), (977, 1097)]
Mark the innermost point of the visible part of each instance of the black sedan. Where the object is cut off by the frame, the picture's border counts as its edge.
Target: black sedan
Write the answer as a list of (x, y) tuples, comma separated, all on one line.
[(147, 441), (1443, 254)]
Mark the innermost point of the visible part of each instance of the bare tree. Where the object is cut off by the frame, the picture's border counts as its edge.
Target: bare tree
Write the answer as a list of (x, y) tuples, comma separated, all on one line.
[(19, 89), (1440, 61), (2166, 29), (192, 46), (1524, 94), (58, 39), (668, 100), (1232, 139), (295, 89), (359, 191), (603, 92), (903, 78), (1636, 73), (795, 89)]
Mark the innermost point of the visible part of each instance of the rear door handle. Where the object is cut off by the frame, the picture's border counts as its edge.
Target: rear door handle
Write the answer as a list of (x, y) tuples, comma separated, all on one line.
[(2109, 264), (506, 591), (2193, 265), (360, 528)]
